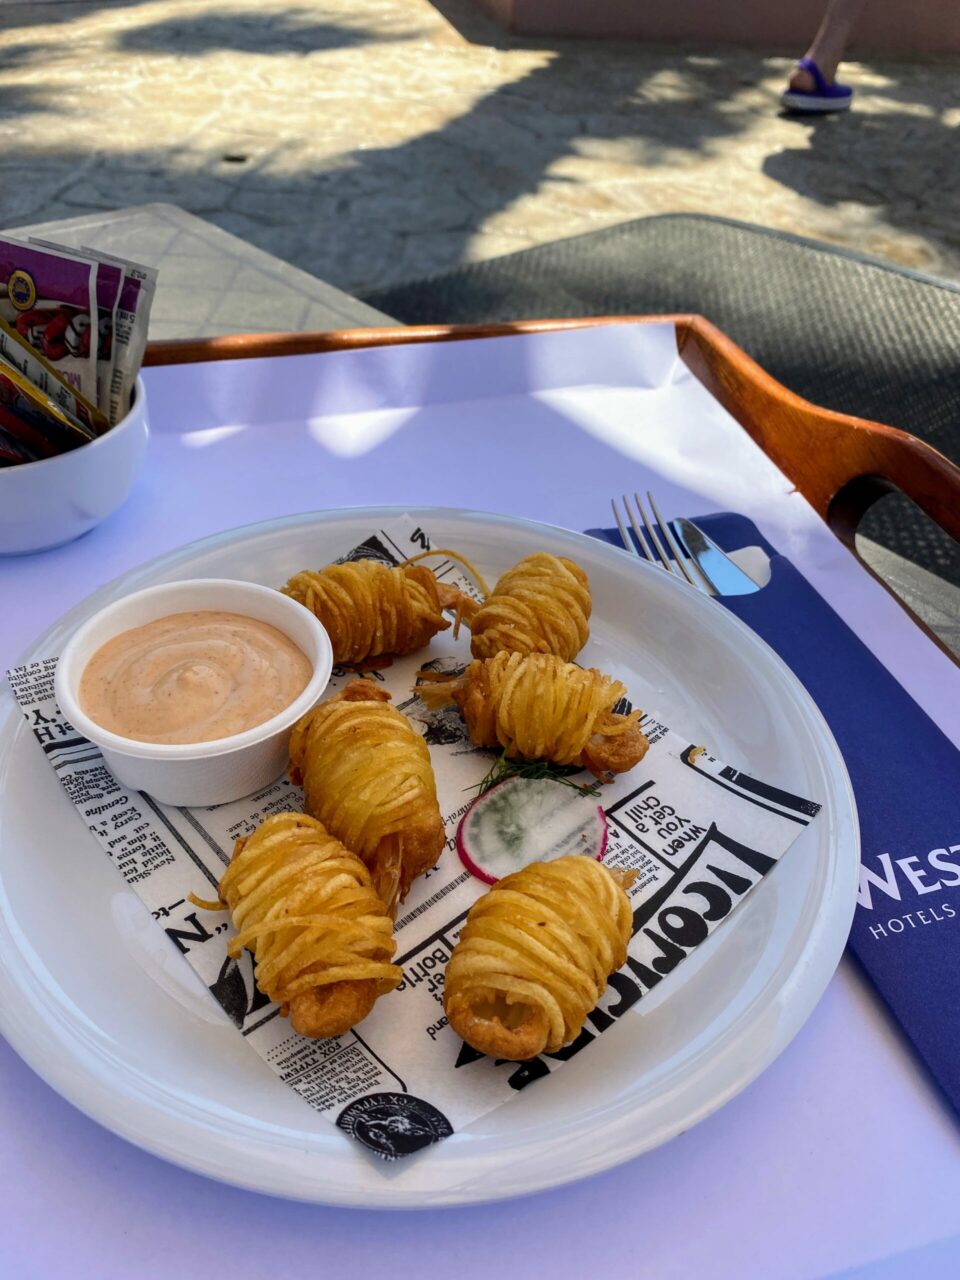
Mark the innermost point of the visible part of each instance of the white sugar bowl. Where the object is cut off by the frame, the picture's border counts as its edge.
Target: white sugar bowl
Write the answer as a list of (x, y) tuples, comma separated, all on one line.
[(44, 504)]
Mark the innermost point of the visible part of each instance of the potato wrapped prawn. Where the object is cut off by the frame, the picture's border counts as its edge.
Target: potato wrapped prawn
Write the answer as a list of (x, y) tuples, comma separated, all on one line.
[(320, 935), (370, 609), (537, 707), (535, 955), (367, 776), (541, 605)]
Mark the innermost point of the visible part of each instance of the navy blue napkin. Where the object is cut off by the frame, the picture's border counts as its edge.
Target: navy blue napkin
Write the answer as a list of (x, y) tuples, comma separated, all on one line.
[(906, 778)]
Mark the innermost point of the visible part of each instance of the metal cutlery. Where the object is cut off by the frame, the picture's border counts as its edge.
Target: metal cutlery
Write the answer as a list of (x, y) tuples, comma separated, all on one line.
[(689, 553)]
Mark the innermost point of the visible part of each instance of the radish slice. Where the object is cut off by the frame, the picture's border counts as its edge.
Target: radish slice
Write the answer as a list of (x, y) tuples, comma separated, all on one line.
[(523, 820)]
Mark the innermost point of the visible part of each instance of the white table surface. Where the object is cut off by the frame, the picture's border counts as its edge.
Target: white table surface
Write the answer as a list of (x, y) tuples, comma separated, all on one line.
[(842, 1155)]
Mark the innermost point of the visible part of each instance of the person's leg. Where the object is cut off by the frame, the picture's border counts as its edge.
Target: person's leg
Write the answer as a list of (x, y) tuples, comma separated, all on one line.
[(829, 43)]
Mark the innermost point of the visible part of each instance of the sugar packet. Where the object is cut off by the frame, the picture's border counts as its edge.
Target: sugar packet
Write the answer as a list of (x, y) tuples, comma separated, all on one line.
[(109, 278), (31, 419), (18, 352), (131, 322), (49, 296)]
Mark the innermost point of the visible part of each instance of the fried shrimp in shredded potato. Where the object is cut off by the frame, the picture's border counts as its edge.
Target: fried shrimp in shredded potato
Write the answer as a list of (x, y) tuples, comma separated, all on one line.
[(537, 707), (541, 605), (370, 609), (534, 956), (367, 777), (320, 935)]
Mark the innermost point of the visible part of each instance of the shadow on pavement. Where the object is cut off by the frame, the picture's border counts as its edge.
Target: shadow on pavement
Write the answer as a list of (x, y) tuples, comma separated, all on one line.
[(372, 216), (445, 184), (904, 158), (21, 99), (14, 16), (246, 32)]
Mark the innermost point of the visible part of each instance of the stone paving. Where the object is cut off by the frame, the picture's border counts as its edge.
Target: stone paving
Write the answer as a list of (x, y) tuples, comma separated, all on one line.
[(373, 141)]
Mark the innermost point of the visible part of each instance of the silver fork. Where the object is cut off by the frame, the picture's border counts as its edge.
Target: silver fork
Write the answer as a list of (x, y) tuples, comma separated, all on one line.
[(677, 561)]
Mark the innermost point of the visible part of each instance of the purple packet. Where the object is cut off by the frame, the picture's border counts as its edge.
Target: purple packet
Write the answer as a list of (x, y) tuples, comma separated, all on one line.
[(48, 296), (108, 282), (27, 360), (130, 334)]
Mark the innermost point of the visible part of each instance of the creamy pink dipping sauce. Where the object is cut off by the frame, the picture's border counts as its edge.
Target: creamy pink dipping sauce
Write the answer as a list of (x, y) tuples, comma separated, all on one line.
[(193, 677)]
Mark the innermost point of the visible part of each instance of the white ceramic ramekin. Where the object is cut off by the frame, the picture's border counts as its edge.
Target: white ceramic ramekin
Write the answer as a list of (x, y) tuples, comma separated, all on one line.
[(201, 773), (46, 503)]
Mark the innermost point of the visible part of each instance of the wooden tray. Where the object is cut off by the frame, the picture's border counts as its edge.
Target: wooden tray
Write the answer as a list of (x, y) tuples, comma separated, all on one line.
[(839, 463)]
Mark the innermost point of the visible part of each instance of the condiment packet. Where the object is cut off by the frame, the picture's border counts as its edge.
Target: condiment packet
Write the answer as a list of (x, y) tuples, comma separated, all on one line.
[(130, 334), (33, 419), (12, 451), (701, 835), (130, 324), (74, 323), (19, 353), (108, 282), (48, 296)]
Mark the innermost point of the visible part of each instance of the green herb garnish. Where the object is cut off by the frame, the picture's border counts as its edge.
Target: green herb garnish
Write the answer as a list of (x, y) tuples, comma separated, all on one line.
[(503, 768)]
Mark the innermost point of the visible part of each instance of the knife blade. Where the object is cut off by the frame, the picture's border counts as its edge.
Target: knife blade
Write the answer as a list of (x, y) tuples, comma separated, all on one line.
[(726, 578)]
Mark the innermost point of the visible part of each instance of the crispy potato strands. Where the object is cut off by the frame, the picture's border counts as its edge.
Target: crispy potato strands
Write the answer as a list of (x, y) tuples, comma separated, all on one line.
[(541, 605), (321, 937), (367, 776), (534, 957), (369, 609), (537, 707)]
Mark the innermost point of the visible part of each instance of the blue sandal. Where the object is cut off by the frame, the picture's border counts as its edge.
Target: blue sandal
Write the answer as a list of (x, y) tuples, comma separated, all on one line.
[(825, 97)]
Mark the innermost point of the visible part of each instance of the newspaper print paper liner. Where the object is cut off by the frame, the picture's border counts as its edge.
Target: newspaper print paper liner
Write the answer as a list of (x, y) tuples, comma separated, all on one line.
[(702, 835)]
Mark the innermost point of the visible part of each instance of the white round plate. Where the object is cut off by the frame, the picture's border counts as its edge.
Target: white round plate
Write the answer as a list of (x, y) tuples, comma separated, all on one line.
[(99, 1004)]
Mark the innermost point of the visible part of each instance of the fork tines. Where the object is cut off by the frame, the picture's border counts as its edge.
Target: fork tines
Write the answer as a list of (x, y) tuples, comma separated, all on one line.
[(675, 560)]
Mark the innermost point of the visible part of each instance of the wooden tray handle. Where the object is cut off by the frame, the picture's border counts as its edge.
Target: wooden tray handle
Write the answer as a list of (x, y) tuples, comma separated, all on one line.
[(839, 463)]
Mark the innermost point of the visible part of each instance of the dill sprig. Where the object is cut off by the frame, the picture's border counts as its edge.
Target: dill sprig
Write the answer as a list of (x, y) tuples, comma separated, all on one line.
[(503, 768)]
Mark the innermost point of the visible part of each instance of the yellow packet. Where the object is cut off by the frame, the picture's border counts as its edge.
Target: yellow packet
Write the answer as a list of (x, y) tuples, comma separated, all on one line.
[(33, 418), (17, 351)]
